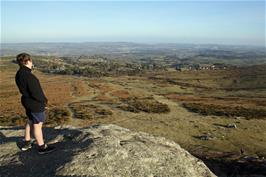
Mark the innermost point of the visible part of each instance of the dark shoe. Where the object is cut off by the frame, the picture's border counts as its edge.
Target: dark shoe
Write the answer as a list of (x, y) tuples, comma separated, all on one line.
[(26, 146), (45, 149)]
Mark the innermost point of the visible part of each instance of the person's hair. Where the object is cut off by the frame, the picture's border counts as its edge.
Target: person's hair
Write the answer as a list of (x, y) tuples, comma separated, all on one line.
[(23, 58)]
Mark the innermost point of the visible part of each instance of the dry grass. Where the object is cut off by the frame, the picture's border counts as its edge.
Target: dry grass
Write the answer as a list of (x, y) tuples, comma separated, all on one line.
[(122, 94), (79, 88), (102, 87), (225, 93)]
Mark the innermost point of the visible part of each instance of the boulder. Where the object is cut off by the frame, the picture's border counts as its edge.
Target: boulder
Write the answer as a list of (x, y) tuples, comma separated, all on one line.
[(102, 151)]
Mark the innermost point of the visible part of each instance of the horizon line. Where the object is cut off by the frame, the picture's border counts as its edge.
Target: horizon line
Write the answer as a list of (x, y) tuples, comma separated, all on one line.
[(147, 43)]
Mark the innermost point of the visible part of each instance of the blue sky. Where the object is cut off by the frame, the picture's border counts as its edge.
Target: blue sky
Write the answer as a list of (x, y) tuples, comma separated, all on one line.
[(219, 22)]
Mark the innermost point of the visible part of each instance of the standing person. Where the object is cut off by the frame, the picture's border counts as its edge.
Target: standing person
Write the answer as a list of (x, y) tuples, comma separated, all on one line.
[(34, 102)]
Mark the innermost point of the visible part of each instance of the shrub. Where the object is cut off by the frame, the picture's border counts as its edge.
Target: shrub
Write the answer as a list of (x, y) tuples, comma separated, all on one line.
[(218, 110), (57, 116), (147, 104), (89, 111)]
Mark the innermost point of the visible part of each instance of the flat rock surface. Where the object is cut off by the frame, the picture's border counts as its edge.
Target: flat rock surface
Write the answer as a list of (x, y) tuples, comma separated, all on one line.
[(100, 151)]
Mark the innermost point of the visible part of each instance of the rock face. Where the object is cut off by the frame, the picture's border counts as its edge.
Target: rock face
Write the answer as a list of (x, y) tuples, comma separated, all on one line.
[(102, 151)]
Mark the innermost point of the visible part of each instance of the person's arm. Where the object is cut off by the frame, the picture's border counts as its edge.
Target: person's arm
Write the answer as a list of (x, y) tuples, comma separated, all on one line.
[(35, 89)]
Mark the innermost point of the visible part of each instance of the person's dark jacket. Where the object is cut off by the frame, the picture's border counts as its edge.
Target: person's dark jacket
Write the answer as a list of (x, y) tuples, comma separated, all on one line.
[(32, 98)]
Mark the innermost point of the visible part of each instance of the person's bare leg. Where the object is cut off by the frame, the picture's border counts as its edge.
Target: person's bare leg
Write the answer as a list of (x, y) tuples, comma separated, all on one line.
[(28, 129), (38, 133)]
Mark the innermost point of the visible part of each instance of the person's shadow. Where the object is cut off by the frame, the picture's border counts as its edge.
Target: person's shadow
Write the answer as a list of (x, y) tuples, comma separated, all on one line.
[(30, 163)]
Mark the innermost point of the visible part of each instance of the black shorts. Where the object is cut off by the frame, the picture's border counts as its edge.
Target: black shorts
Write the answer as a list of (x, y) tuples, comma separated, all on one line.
[(36, 117)]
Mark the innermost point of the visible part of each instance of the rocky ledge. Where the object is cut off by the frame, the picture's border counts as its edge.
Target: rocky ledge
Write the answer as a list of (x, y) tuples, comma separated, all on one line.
[(98, 150)]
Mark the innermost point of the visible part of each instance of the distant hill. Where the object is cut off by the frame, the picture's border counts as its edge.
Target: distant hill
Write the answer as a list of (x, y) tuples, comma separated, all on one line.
[(137, 50)]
